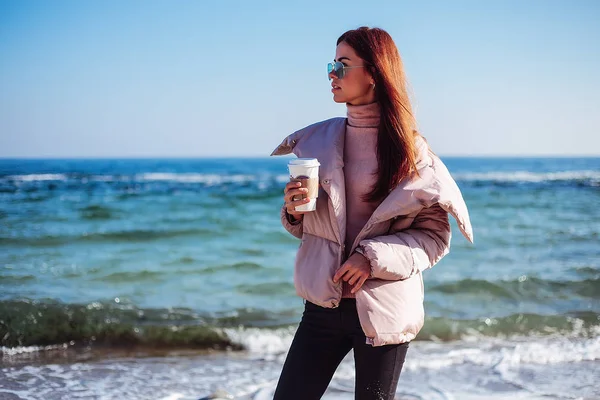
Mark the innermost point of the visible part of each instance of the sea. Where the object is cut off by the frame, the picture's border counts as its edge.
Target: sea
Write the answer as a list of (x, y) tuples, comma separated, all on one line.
[(171, 279)]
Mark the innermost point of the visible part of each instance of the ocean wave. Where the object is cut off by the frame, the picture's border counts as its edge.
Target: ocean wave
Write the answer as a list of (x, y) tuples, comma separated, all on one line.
[(135, 235), (38, 323), (35, 323), (277, 341), (16, 280), (523, 368), (265, 180), (262, 341), (97, 212), (208, 179), (145, 234), (37, 177), (236, 267), (580, 343), (13, 351), (133, 184), (577, 324), (523, 288), (586, 271), (501, 353), (267, 289), (144, 276), (591, 177)]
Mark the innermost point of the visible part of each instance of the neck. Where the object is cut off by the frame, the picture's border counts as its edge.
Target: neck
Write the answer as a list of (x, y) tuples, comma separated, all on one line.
[(363, 116)]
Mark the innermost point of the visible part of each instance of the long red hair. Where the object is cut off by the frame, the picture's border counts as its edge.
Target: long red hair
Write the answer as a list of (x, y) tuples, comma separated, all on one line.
[(396, 149)]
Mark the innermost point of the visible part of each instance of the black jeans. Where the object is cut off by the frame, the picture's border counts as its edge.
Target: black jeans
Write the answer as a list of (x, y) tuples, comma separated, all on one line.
[(323, 339)]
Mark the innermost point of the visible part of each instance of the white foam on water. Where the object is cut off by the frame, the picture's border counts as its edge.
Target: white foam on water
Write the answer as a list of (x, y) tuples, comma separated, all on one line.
[(527, 176), (477, 350), (263, 342), (514, 352), (174, 396), (591, 176), (38, 177), (517, 368), (182, 177), (476, 368), (11, 351), (546, 352), (109, 178), (208, 179), (282, 178)]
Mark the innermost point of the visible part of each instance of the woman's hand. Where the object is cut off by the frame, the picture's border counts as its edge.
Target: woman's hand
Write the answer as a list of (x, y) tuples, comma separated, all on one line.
[(294, 189), (356, 270)]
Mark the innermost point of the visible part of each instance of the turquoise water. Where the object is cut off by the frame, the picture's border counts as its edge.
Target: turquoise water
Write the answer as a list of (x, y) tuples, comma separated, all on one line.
[(191, 254)]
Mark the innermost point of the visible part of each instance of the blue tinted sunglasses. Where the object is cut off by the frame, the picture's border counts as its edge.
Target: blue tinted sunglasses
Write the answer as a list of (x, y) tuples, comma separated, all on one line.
[(339, 69)]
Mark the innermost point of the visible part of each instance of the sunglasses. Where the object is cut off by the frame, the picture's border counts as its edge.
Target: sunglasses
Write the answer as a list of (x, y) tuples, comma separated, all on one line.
[(339, 69)]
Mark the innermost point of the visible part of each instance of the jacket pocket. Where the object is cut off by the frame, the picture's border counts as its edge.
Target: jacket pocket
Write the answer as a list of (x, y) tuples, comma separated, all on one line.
[(316, 264)]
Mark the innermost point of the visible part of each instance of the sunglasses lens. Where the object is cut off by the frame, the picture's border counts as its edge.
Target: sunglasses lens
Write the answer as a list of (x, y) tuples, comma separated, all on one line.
[(329, 70), (338, 68)]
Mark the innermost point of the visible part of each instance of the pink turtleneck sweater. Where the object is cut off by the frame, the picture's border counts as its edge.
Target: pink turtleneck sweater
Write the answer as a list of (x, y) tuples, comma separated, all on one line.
[(360, 168)]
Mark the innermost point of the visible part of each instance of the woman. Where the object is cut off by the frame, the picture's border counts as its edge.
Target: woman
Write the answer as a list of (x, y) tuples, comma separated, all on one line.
[(381, 219)]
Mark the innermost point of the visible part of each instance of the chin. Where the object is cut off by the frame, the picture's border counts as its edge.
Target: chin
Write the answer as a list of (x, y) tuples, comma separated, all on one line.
[(339, 99)]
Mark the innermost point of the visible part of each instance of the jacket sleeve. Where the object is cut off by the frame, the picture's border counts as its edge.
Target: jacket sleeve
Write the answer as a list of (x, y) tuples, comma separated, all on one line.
[(400, 255), (295, 228)]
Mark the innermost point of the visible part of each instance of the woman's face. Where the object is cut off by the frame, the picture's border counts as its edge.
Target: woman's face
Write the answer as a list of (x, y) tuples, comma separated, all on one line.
[(356, 87)]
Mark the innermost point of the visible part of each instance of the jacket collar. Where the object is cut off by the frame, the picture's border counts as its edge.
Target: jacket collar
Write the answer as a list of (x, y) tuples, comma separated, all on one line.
[(433, 185), (323, 140)]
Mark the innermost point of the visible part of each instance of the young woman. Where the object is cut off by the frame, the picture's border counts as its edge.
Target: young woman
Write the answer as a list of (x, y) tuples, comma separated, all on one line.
[(381, 219)]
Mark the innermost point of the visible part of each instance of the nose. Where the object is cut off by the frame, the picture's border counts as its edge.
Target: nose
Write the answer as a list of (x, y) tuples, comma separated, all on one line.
[(331, 75)]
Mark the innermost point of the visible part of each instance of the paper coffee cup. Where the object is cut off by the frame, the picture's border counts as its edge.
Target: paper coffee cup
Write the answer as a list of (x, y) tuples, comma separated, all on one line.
[(306, 171)]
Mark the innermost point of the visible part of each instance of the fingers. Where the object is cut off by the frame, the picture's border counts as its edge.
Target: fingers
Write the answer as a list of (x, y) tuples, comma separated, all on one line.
[(354, 278), (291, 206), (361, 281), (293, 193), (340, 272), (291, 185), (348, 273)]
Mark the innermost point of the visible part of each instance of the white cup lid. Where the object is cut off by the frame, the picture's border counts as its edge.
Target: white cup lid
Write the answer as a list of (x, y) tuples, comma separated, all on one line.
[(304, 162)]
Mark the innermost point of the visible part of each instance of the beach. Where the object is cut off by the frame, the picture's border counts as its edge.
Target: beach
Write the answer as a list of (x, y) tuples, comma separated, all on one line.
[(173, 279), (548, 368)]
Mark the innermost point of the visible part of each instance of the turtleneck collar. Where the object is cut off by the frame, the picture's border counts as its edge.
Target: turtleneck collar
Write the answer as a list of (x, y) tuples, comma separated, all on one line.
[(364, 116)]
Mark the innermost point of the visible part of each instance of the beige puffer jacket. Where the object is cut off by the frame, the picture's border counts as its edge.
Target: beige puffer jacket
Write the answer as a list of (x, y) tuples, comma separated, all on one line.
[(408, 233)]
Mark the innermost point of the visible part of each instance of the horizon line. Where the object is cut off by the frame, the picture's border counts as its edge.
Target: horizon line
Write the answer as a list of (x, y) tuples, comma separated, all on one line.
[(208, 157)]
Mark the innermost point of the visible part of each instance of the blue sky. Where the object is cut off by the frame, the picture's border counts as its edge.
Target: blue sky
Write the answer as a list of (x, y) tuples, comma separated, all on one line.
[(232, 78)]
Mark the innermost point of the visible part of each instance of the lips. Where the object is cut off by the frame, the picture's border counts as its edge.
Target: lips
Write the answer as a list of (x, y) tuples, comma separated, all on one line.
[(334, 87)]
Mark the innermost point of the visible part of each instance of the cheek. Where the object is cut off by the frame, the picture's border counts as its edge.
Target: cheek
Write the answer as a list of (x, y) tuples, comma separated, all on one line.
[(356, 87)]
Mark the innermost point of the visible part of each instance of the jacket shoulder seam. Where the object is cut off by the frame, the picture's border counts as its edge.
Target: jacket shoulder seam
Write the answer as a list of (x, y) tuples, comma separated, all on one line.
[(307, 131)]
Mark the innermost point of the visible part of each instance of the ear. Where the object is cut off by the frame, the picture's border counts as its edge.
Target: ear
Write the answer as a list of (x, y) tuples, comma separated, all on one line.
[(372, 78), (371, 72)]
